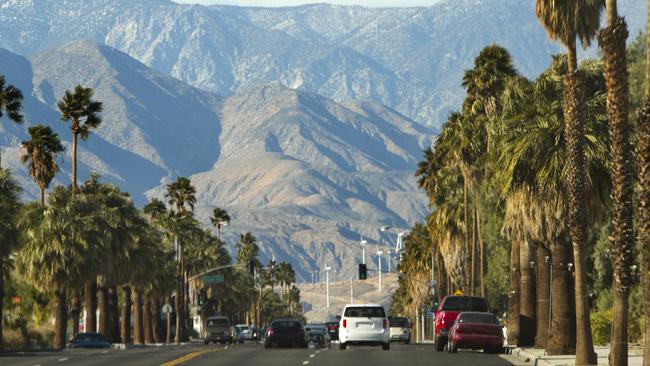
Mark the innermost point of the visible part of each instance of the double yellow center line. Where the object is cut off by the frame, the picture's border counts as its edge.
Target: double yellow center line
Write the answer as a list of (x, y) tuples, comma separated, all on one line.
[(189, 356)]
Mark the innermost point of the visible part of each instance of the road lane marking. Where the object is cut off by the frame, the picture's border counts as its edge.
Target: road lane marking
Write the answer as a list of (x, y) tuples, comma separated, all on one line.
[(63, 359), (312, 355), (305, 362), (190, 356)]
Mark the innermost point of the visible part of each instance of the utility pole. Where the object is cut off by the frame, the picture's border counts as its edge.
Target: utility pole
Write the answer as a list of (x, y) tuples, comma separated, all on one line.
[(351, 292), (327, 275), (363, 251), (379, 253), (389, 260)]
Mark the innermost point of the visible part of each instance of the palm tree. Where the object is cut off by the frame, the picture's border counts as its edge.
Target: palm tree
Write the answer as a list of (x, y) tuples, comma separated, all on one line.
[(84, 114), (181, 193), (57, 241), (41, 152), (533, 156), (612, 41), (9, 209), (219, 217), (247, 249), (11, 102), (566, 21)]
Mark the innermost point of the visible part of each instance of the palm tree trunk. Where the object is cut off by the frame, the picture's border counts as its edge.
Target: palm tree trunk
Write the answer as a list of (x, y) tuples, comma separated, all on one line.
[(468, 281), (2, 295), (576, 184), (125, 324), (527, 295), (75, 311), (483, 257), (474, 251), (562, 340), (42, 196), (60, 317), (612, 41), (90, 304), (643, 153), (74, 159), (146, 313), (189, 325), (138, 335), (513, 303), (114, 314), (102, 305), (543, 290), (178, 309), (156, 322)]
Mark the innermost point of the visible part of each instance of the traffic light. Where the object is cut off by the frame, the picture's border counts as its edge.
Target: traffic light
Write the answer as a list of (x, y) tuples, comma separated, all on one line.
[(251, 267), (363, 271)]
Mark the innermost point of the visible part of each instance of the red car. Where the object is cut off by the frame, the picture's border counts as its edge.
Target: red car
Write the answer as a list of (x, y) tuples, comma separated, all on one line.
[(446, 314), (476, 331)]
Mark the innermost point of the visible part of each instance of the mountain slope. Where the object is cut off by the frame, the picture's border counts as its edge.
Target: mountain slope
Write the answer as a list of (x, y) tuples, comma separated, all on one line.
[(410, 59)]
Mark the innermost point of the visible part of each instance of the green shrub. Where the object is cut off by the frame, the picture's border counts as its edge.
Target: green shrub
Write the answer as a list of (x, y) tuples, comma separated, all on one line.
[(601, 327)]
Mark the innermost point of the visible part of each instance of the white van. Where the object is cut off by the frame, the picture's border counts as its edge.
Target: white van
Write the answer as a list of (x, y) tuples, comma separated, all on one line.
[(364, 324)]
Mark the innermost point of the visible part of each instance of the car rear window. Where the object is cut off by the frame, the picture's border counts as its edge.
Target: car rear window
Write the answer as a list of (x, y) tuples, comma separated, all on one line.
[(287, 324), (218, 323), (478, 318), (365, 312), (464, 303), (398, 323)]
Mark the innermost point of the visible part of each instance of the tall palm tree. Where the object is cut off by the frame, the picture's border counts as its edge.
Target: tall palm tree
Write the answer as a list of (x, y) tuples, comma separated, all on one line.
[(181, 193), (565, 21), (219, 218), (84, 114), (41, 153), (9, 209), (57, 241), (11, 102), (533, 156), (643, 157), (612, 41)]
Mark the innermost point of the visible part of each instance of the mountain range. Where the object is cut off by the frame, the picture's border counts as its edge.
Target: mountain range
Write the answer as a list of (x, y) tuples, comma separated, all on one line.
[(304, 123)]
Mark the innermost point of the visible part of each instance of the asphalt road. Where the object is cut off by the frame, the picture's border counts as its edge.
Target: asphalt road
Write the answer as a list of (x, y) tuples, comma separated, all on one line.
[(255, 354)]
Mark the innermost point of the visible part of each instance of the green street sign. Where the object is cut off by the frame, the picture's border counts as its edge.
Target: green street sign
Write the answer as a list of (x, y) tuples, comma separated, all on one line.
[(213, 279)]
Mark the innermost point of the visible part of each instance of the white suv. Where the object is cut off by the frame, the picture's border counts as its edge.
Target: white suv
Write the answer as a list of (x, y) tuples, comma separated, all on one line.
[(364, 324)]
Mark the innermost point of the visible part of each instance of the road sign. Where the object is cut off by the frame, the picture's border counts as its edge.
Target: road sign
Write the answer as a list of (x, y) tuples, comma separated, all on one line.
[(213, 279), (166, 309), (430, 313)]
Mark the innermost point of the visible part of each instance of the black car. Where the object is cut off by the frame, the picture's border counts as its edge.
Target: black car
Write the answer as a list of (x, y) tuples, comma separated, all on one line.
[(285, 332), (333, 329), (89, 340)]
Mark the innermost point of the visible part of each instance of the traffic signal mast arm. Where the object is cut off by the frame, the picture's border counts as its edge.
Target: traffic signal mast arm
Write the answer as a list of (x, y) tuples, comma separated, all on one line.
[(216, 269)]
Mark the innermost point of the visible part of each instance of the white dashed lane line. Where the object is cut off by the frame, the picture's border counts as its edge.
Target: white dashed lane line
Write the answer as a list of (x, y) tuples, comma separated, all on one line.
[(62, 359), (305, 362)]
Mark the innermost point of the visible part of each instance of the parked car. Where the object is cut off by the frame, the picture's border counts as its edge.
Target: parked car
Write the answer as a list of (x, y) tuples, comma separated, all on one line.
[(400, 330), (333, 329), (89, 340), (239, 332), (218, 329), (250, 334), (285, 332), (321, 329), (448, 311), (364, 324), (476, 331)]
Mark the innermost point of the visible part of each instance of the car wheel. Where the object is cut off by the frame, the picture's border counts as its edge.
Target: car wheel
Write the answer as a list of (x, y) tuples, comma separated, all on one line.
[(408, 341), (343, 346), (267, 345), (386, 347), (206, 342), (440, 344)]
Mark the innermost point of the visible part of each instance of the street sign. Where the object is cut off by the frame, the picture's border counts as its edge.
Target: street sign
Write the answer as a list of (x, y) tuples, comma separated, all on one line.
[(213, 279), (430, 313), (166, 309)]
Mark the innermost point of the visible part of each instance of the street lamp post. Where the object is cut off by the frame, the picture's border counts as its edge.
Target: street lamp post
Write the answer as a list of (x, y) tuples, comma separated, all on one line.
[(327, 275), (389, 259), (363, 250)]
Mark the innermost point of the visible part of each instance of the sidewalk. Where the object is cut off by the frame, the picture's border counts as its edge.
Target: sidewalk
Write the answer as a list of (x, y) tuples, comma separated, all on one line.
[(538, 357)]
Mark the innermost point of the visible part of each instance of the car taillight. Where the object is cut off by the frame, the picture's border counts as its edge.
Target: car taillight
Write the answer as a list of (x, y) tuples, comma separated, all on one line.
[(345, 323), (332, 327), (270, 332), (385, 323)]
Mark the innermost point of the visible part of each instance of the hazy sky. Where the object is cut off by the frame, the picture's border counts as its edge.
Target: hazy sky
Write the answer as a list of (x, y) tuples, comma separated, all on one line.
[(300, 2)]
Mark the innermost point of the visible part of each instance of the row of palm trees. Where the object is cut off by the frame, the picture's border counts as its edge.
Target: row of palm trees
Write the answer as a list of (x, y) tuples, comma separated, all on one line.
[(90, 242), (550, 158)]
